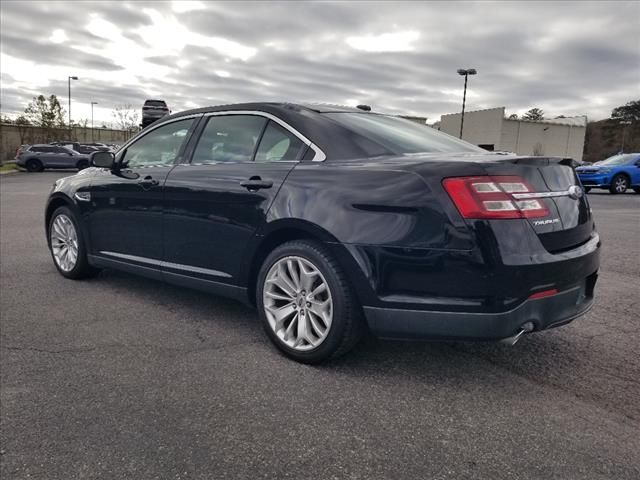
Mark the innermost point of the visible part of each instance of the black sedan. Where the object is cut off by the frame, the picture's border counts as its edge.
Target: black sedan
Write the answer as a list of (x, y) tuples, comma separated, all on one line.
[(332, 221)]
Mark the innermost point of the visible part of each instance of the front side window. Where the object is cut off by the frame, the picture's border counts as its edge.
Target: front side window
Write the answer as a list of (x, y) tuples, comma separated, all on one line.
[(279, 144), (159, 147), (229, 138)]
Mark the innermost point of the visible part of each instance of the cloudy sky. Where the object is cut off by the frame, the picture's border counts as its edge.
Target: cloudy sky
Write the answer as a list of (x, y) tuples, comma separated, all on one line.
[(569, 58)]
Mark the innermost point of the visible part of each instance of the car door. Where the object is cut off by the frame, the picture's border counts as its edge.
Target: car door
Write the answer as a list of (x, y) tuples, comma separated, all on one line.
[(62, 157), (635, 171), (125, 220), (47, 155), (215, 203)]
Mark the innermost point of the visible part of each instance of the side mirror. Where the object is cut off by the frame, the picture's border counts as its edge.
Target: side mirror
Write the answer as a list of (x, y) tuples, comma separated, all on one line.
[(103, 159)]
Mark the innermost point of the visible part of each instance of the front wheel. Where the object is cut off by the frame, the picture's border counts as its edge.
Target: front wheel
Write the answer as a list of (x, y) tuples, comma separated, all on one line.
[(82, 164), (67, 247), (34, 165), (636, 189), (619, 184), (587, 189), (305, 303)]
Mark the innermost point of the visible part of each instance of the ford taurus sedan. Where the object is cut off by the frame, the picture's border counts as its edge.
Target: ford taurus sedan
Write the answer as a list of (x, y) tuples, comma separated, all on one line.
[(333, 221)]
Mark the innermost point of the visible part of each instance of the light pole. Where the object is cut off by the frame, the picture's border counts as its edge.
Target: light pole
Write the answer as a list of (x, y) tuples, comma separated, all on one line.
[(465, 72), (624, 123), (69, 80), (92, 104)]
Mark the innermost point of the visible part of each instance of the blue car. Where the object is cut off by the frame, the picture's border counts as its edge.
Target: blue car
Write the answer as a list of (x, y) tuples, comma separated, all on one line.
[(617, 173)]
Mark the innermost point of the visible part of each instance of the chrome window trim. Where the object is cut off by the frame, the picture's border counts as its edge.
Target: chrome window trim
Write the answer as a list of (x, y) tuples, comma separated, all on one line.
[(319, 155)]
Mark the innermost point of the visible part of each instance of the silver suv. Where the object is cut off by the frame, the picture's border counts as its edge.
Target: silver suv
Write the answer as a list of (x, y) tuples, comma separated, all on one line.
[(35, 158)]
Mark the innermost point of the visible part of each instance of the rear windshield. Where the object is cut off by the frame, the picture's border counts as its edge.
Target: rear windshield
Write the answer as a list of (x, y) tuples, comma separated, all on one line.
[(155, 103), (400, 136)]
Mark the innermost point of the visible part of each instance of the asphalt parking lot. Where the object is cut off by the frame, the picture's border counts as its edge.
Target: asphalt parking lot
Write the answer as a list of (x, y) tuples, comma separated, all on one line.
[(125, 378)]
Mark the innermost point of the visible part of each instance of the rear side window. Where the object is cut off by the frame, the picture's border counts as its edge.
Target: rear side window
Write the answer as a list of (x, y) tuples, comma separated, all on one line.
[(279, 144), (229, 138), (400, 136), (37, 149)]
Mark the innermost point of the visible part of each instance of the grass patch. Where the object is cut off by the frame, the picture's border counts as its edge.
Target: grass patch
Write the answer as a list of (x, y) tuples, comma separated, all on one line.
[(8, 167)]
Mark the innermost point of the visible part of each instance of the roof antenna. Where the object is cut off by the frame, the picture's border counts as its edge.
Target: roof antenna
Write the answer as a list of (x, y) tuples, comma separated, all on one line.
[(366, 108)]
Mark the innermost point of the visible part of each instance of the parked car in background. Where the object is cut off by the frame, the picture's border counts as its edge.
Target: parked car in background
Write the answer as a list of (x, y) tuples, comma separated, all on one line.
[(153, 110), (617, 173), (331, 219), (101, 147), (35, 158), (78, 147)]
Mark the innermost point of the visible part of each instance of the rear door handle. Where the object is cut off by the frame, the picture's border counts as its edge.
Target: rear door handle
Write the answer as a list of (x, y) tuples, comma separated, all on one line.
[(148, 181), (256, 183)]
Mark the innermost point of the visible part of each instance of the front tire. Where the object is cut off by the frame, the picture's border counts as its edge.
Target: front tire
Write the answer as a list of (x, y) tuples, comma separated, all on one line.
[(305, 303), (636, 189), (34, 165), (587, 189), (67, 246), (619, 184), (82, 164)]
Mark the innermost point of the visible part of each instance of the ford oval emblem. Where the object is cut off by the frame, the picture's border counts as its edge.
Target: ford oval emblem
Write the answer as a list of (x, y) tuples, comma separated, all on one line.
[(575, 192)]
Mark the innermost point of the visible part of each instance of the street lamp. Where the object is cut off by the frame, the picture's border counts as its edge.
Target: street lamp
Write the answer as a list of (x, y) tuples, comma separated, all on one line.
[(465, 72), (69, 79), (92, 104)]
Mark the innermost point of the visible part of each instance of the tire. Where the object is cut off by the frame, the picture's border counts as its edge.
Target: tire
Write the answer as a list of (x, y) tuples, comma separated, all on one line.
[(34, 165), (63, 229), (338, 303), (587, 189), (636, 189), (619, 184), (82, 164)]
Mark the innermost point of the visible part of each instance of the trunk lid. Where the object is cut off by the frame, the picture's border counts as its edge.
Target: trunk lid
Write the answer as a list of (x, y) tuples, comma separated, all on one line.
[(569, 223)]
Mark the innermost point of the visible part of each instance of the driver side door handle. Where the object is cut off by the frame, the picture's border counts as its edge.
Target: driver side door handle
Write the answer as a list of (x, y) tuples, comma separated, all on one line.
[(148, 182), (256, 183)]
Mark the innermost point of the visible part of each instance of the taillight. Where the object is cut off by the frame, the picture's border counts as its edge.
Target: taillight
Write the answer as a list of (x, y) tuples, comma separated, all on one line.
[(491, 197)]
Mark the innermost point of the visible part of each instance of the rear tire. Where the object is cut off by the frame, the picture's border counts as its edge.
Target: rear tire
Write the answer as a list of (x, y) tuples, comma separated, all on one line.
[(318, 316), (34, 165), (587, 189), (82, 164), (619, 184), (67, 246)]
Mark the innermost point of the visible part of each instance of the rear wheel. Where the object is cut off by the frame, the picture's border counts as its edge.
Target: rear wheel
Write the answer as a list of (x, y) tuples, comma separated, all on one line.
[(67, 246), (34, 165), (306, 305), (82, 164), (619, 184)]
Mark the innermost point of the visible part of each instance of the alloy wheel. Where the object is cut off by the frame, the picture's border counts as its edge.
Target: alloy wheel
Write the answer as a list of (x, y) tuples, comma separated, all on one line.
[(64, 242), (298, 303), (621, 184)]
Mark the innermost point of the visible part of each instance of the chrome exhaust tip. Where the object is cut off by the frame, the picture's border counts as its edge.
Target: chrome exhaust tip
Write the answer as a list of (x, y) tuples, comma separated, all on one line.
[(524, 328)]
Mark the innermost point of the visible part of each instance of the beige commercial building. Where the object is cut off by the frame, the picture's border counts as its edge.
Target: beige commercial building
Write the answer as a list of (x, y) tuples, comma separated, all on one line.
[(560, 137)]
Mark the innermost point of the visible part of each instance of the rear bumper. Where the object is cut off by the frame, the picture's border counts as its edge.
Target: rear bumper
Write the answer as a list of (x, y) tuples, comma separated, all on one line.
[(544, 313)]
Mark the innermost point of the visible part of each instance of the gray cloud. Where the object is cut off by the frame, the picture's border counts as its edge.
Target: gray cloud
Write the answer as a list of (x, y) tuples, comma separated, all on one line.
[(566, 58)]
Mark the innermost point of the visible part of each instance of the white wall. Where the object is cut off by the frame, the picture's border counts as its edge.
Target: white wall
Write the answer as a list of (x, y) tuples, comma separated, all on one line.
[(529, 138), (480, 127)]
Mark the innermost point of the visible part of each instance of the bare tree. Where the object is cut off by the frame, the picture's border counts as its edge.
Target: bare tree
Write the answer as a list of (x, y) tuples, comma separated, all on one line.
[(125, 118)]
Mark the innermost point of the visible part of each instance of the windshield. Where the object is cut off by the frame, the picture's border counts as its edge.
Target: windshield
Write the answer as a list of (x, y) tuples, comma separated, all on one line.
[(617, 160), (401, 136), (155, 103)]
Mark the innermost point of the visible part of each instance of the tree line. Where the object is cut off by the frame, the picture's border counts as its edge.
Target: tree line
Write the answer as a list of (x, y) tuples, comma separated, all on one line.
[(48, 113)]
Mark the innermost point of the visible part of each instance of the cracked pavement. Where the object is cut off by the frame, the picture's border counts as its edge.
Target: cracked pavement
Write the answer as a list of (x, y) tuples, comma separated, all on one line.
[(123, 377)]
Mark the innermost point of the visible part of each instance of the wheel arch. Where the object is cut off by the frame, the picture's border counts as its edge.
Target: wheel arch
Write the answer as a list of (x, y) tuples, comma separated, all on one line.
[(56, 201), (278, 233)]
